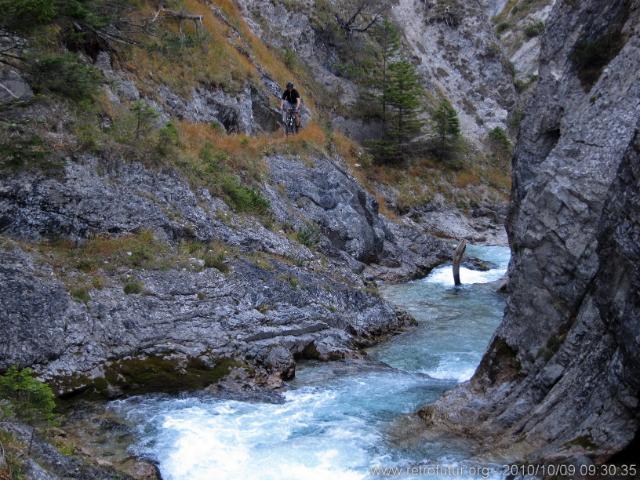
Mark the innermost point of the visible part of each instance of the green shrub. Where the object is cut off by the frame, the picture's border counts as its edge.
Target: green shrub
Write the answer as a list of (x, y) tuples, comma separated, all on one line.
[(534, 29), (168, 139), (308, 235), (215, 260), (241, 198), (142, 255), (500, 143), (499, 137), (81, 294), (64, 75), (446, 123), (212, 159), (145, 117), (24, 15), (133, 286), (28, 398), (290, 58), (217, 174), (22, 151), (590, 56)]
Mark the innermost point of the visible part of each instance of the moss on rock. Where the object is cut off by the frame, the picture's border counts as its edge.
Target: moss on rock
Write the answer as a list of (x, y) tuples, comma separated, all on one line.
[(133, 376)]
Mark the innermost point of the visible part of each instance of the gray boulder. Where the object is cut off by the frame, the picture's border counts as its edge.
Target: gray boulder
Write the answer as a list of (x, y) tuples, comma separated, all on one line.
[(322, 192), (185, 330)]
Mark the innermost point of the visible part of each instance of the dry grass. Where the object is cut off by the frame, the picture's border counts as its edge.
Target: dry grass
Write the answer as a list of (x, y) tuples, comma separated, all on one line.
[(499, 178), (465, 178), (94, 264), (106, 253), (227, 56), (246, 152), (418, 182), (222, 54), (212, 60)]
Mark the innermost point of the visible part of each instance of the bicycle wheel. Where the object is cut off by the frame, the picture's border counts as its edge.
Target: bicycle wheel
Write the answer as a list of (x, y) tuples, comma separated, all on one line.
[(290, 125)]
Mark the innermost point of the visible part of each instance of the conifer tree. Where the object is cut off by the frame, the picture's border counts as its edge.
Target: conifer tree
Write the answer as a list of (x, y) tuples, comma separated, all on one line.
[(446, 123), (389, 39), (404, 101)]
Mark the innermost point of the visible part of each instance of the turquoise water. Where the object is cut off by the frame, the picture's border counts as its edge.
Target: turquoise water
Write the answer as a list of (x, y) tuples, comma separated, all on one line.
[(339, 421)]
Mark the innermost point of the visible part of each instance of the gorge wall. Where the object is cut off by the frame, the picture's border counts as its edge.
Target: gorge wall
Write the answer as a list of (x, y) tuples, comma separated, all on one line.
[(561, 376)]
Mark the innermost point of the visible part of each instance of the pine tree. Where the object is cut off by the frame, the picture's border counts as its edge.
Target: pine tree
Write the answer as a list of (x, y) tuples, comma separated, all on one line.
[(446, 123), (398, 94), (404, 100), (389, 39)]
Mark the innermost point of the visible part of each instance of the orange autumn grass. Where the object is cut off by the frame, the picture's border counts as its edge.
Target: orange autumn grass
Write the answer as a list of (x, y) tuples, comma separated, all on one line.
[(221, 59), (215, 61), (240, 148)]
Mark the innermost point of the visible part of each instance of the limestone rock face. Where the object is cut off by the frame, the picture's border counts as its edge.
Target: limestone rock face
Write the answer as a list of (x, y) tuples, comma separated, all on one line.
[(303, 302), (561, 376), (263, 316), (524, 22), (325, 194), (458, 55)]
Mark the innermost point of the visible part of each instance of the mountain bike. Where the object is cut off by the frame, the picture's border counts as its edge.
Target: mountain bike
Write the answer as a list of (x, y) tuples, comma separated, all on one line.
[(290, 125)]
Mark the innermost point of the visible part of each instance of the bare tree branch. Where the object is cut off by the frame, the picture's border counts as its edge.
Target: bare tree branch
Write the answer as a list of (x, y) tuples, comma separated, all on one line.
[(365, 15), (178, 15)]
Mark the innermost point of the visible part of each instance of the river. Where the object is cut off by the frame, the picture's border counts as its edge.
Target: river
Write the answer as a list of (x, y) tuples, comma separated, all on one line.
[(340, 420)]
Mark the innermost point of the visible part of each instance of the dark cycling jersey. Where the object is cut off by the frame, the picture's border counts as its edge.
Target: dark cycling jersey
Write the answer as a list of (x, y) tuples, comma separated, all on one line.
[(291, 96)]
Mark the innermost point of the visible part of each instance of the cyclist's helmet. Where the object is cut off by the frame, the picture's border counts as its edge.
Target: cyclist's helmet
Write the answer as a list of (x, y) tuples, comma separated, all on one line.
[(289, 85)]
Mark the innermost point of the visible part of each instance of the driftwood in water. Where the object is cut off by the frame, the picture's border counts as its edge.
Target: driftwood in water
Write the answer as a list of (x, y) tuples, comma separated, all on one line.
[(457, 258)]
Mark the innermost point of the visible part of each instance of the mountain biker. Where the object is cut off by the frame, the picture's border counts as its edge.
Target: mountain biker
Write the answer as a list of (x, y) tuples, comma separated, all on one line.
[(291, 100)]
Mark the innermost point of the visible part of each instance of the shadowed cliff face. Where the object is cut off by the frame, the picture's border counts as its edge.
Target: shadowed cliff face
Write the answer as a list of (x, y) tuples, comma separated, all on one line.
[(560, 378)]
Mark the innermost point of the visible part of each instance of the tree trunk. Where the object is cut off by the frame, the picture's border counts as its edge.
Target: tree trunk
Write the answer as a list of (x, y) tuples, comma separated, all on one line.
[(457, 258)]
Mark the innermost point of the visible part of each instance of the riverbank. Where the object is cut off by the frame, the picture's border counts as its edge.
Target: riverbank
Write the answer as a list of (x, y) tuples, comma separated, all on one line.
[(334, 419)]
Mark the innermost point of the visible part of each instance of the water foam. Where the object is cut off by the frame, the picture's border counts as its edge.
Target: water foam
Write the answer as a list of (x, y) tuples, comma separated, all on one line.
[(217, 439), (444, 275), (450, 372)]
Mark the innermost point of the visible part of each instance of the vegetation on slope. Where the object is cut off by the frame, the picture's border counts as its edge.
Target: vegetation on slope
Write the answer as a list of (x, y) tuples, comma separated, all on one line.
[(220, 50), (22, 397)]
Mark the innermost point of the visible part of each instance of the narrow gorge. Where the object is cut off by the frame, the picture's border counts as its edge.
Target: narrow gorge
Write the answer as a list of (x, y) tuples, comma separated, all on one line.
[(186, 292)]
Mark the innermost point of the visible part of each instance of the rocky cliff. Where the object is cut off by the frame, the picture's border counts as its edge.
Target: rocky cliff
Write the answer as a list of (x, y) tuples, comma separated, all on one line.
[(519, 25), (264, 298), (560, 378)]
